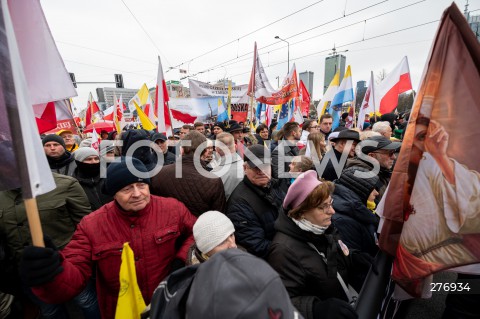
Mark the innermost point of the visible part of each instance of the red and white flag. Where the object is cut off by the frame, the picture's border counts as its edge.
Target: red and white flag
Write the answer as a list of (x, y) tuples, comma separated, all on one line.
[(149, 109), (396, 83), (164, 124), (259, 85), (368, 104), (92, 108), (95, 142)]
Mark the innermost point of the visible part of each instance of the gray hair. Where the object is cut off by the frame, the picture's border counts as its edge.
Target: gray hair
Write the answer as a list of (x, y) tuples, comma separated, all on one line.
[(381, 127)]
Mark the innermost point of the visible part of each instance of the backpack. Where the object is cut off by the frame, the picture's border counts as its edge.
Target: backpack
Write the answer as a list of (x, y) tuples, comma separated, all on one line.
[(170, 297)]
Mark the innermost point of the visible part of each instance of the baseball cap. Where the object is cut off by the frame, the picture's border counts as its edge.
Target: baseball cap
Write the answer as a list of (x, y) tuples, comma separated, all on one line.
[(383, 144), (158, 136), (257, 155)]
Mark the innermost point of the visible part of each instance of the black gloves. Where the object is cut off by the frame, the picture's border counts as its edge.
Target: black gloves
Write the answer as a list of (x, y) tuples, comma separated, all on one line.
[(333, 308), (40, 265), (364, 261)]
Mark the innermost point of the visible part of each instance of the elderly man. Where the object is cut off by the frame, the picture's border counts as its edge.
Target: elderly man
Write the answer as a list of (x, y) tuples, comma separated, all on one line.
[(254, 204), (383, 151), (60, 160), (159, 231), (69, 139), (344, 144), (383, 127), (230, 165)]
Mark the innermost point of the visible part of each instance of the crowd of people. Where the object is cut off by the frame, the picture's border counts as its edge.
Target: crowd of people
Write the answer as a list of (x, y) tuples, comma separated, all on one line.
[(281, 213)]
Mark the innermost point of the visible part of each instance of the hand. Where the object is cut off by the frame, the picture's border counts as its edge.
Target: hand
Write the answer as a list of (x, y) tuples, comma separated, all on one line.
[(40, 265), (333, 308), (436, 141), (364, 261)]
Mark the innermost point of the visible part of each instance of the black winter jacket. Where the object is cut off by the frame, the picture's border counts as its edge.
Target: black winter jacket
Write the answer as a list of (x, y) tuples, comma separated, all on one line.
[(354, 221), (329, 173), (290, 150), (303, 271), (93, 189), (253, 211)]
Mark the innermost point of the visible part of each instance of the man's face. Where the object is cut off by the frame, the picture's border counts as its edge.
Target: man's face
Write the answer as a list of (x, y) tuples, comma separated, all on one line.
[(200, 129), (163, 145), (264, 134), (297, 133), (53, 149), (104, 136), (238, 135), (257, 176), (207, 155), (217, 130), (326, 125), (384, 157), (342, 145), (388, 133), (68, 138), (183, 132), (93, 159), (133, 197)]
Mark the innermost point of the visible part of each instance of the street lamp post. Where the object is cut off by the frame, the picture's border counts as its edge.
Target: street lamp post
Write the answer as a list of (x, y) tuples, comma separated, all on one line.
[(288, 51)]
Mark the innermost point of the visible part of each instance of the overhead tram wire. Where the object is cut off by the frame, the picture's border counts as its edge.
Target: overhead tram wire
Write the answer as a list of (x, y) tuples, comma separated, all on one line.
[(105, 52), (107, 68), (247, 34), (344, 45), (146, 33), (308, 30)]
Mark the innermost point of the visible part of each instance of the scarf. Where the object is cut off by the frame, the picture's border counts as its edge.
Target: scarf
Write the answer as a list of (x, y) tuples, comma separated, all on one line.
[(308, 226)]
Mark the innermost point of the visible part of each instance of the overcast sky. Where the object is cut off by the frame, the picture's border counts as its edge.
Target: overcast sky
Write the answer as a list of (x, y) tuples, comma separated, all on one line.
[(99, 38)]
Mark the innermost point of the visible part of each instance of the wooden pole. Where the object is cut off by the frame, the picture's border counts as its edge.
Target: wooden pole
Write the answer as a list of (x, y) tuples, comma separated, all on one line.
[(34, 222)]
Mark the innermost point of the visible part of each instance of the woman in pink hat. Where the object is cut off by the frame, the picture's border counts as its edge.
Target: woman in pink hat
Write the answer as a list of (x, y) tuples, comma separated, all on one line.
[(316, 267)]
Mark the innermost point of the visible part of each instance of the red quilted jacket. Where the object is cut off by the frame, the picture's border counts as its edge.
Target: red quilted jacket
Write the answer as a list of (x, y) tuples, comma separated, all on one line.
[(98, 240)]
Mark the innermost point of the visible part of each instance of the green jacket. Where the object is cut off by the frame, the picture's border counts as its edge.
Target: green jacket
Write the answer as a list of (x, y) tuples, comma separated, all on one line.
[(60, 211)]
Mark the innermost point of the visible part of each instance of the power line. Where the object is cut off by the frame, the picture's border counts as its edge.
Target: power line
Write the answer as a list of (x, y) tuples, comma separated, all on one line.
[(308, 30), (104, 67), (145, 31), (250, 33), (105, 52), (347, 44)]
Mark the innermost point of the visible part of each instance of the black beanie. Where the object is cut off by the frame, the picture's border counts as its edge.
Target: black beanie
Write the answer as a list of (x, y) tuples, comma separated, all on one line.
[(53, 138), (363, 187), (119, 175)]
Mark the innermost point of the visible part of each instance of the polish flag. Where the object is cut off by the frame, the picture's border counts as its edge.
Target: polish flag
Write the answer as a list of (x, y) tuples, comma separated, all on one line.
[(92, 108), (161, 103), (148, 109), (397, 82), (95, 142), (367, 104)]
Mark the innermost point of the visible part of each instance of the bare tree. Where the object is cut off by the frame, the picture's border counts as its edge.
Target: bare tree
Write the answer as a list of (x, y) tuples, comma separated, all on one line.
[(381, 75)]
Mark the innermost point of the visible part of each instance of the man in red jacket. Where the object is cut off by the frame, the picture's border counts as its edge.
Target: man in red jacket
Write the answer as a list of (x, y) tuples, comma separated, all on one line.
[(154, 226)]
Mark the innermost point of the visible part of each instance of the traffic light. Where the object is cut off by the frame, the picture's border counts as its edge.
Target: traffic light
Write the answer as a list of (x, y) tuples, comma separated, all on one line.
[(72, 77), (119, 80)]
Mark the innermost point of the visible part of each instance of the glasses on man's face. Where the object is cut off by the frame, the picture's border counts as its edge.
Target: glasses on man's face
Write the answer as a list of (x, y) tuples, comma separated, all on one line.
[(326, 205), (388, 153)]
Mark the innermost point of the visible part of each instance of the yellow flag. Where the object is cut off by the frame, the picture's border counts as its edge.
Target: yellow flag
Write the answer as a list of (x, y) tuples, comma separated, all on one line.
[(146, 122), (277, 108), (130, 300), (229, 100), (143, 94)]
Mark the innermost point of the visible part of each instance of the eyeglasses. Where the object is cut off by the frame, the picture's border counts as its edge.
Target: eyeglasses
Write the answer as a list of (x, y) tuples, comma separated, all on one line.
[(326, 206), (389, 153)]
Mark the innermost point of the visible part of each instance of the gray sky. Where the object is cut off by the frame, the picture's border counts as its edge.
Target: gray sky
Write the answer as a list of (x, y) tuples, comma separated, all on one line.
[(99, 38)]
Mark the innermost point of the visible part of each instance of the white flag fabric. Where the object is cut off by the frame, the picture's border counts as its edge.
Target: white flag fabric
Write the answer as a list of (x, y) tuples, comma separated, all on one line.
[(40, 179), (368, 105), (45, 73)]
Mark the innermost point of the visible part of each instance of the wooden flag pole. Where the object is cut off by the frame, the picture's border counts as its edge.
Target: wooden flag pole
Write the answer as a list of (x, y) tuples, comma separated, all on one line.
[(34, 222)]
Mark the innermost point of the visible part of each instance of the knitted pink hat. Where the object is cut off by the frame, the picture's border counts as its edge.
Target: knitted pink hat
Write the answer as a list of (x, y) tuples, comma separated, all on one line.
[(300, 189)]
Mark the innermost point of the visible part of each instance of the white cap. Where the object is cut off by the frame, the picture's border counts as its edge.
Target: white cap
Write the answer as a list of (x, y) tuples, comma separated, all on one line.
[(211, 229), (333, 135)]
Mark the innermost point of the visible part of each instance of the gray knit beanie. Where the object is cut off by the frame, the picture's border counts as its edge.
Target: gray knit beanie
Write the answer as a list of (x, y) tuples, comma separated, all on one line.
[(211, 229), (83, 152)]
